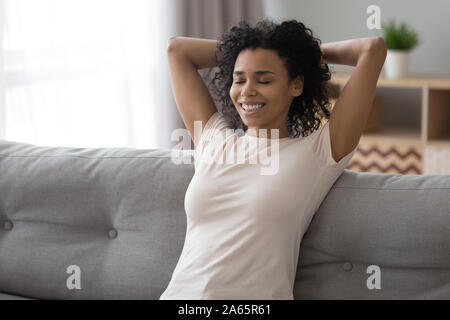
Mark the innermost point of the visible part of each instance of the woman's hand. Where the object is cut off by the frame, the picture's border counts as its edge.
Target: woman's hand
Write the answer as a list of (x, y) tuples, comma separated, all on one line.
[(348, 52)]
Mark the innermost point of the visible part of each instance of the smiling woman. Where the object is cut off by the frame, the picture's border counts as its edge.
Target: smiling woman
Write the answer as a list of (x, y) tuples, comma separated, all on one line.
[(246, 218), (263, 104), (275, 64)]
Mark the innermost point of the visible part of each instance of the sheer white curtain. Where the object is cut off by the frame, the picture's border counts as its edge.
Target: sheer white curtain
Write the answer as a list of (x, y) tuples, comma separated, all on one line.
[(94, 73), (85, 73)]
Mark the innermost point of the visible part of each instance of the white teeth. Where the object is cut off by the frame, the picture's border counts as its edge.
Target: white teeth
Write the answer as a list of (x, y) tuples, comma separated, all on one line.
[(252, 106)]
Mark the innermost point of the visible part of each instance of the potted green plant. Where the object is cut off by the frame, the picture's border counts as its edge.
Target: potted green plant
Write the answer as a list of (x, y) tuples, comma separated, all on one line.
[(400, 40)]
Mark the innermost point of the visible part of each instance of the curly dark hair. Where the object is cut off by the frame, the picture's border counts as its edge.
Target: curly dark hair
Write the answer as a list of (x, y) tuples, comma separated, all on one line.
[(300, 53)]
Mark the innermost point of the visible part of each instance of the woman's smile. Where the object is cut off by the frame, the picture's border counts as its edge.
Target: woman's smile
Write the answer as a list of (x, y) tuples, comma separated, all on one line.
[(250, 112)]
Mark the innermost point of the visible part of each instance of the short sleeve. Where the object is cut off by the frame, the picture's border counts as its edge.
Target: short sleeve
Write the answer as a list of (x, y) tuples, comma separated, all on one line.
[(321, 147), (215, 126)]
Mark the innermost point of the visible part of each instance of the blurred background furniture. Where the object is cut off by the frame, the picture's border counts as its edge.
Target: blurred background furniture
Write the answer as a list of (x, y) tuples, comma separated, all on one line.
[(423, 148)]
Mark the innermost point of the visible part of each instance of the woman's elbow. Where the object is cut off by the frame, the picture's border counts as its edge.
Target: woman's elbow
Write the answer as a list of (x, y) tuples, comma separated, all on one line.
[(378, 47)]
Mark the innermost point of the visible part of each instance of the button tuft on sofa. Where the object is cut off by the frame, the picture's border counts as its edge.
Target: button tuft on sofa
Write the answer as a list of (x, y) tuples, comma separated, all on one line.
[(112, 233), (8, 225), (347, 266)]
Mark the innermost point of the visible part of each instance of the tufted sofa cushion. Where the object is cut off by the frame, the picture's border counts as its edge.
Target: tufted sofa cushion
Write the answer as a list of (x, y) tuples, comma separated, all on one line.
[(398, 223), (118, 215)]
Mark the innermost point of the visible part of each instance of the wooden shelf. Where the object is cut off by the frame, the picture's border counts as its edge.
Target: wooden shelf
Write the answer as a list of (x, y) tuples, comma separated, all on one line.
[(392, 133), (445, 143), (412, 81), (431, 140)]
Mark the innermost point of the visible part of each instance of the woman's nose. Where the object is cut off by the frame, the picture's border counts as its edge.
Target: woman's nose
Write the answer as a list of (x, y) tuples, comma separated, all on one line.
[(248, 90)]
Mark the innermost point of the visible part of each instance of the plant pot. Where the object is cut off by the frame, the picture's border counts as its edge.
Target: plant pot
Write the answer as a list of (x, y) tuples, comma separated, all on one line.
[(397, 63)]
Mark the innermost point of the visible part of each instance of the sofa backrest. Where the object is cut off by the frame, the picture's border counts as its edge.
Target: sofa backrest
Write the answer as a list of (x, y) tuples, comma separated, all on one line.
[(115, 215), (378, 236), (114, 219)]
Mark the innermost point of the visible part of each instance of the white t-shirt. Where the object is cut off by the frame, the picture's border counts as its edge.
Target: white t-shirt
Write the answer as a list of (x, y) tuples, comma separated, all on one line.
[(244, 227)]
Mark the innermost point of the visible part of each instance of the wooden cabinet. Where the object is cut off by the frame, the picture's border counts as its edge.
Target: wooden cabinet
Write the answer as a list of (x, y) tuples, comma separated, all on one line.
[(424, 149)]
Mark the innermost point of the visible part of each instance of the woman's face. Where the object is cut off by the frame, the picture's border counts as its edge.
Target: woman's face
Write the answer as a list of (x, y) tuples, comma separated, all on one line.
[(259, 76)]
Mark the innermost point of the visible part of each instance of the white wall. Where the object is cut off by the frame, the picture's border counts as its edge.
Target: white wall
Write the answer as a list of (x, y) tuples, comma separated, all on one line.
[(2, 84), (346, 19)]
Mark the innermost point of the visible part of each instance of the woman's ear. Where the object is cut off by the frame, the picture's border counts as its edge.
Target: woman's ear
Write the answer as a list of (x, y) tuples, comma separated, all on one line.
[(298, 86)]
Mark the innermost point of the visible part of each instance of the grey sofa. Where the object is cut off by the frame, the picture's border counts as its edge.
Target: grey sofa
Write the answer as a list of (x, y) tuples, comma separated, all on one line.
[(109, 223)]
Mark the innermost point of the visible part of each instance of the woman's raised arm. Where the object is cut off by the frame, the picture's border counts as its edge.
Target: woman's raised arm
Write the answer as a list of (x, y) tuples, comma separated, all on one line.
[(194, 102), (199, 51)]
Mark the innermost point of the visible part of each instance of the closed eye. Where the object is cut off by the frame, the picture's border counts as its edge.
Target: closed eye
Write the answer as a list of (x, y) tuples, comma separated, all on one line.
[(263, 82)]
